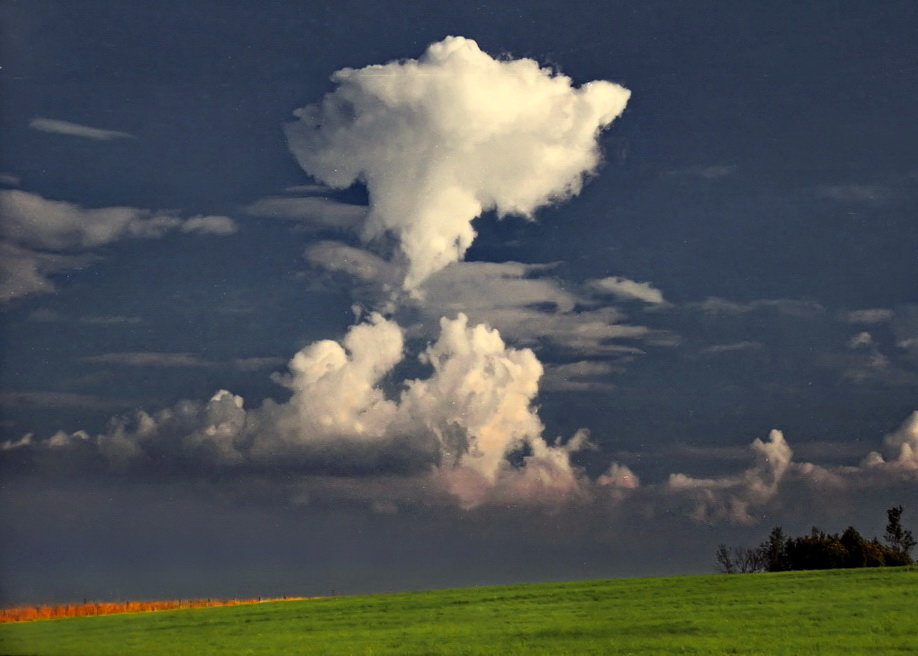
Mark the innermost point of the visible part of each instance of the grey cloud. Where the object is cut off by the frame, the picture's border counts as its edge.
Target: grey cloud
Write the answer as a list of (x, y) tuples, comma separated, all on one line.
[(31, 225), (45, 399), (868, 316), (24, 272), (717, 349), (855, 193), (148, 359), (628, 289), (311, 210)]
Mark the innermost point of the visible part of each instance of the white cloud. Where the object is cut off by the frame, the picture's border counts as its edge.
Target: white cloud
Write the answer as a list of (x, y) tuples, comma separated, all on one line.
[(456, 428), (901, 448), (37, 222), (76, 130), (628, 289), (10, 180), (440, 139)]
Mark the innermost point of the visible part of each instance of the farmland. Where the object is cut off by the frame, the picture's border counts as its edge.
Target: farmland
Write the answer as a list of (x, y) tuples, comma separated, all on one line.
[(827, 612)]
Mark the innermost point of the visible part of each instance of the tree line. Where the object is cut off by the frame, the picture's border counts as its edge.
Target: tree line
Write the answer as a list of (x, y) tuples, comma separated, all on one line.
[(820, 550)]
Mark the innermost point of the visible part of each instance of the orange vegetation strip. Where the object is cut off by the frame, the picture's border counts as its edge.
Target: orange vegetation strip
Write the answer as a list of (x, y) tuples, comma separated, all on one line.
[(27, 613)]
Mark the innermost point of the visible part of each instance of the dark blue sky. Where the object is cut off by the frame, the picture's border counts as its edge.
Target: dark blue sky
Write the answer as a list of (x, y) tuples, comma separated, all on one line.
[(763, 178)]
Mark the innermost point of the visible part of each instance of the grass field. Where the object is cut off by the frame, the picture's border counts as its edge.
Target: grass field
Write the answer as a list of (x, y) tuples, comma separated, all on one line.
[(861, 611)]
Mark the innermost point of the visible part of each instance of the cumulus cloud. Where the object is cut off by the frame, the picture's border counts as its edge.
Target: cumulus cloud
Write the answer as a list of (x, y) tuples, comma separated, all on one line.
[(32, 225), (735, 498), (901, 448), (628, 289), (459, 428), (56, 126), (440, 139)]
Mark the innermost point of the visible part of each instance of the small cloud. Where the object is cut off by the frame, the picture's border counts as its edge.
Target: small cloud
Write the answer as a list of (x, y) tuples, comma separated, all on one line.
[(861, 340), (869, 316), (10, 180), (76, 130), (110, 321), (628, 289), (733, 347), (210, 225)]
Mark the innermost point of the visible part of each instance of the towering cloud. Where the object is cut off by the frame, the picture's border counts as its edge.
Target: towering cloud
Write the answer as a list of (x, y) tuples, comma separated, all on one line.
[(440, 139)]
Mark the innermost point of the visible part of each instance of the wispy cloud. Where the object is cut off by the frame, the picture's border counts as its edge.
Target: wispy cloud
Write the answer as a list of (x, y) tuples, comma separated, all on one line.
[(792, 307), (316, 211), (710, 172), (732, 347), (33, 225), (628, 289), (855, 193), (56, 126), (45, 399), (869, 316), (179, 360), (148, 359)]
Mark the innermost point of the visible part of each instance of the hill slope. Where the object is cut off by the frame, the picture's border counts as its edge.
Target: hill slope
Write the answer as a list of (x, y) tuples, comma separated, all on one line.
[(829, 612)]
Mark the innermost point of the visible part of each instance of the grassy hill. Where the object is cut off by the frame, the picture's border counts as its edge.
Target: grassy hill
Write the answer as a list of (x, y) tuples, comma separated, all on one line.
[(830, 612)]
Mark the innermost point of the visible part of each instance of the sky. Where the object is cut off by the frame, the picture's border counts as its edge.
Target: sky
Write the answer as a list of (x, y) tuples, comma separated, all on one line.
[(307, 298)]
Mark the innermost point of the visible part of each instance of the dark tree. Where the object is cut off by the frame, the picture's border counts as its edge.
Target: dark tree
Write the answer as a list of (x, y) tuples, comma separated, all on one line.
[(774, 551), (724, 560), (898, 538)]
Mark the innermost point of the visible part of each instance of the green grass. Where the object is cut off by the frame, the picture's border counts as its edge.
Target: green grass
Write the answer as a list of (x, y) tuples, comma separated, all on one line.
[(862, 611)]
